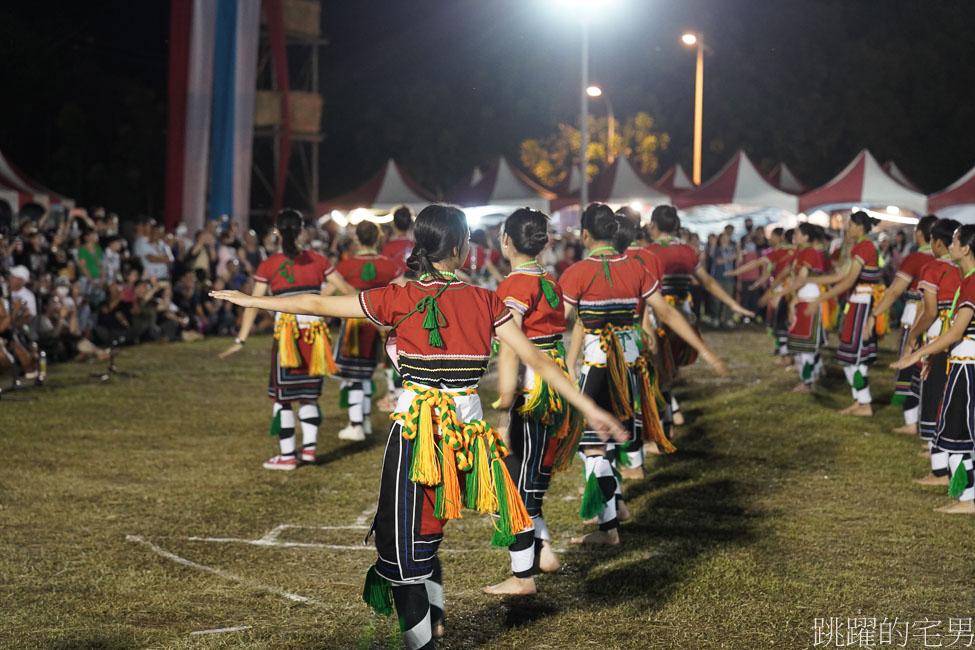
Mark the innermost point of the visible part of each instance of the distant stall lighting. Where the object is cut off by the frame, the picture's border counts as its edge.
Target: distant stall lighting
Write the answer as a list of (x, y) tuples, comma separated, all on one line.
[(689, 39), (636, 205), (594, 91), (893, 209), (339, 219)]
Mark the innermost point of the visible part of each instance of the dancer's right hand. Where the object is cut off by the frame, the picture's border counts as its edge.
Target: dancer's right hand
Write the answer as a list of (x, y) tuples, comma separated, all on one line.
[(605, 424), (716, 364), (236, 297)]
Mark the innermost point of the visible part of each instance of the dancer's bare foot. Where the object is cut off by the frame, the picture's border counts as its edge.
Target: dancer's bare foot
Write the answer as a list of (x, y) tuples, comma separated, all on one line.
[(548, 560), (958, 508), (437, 630), (931, 479), (863, 411), (783, 361), (849, 409), (678, 418), (622, 512), (801, 387), (599, 538), (651, 448), (907, 429), (513, 586), (631, 472)]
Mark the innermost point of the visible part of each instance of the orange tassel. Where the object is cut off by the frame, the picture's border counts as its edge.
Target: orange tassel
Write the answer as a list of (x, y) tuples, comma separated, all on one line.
[(450, 507), (619, 389), (286, 333), (321, 362), (514, 507), (652, 431)]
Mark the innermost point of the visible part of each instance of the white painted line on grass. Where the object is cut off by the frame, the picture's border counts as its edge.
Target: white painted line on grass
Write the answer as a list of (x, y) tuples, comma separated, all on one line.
[(223, 629), (226, 575)]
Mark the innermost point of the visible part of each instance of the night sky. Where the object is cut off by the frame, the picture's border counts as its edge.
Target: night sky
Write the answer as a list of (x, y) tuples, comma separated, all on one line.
[(443, 85)]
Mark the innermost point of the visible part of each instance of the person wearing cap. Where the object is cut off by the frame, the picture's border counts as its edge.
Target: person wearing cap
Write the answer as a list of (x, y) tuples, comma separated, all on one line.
[(19, 277)]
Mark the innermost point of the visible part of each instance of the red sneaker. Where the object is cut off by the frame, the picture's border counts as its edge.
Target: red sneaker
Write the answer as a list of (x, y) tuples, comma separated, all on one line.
[(309, 455), (280, 462)]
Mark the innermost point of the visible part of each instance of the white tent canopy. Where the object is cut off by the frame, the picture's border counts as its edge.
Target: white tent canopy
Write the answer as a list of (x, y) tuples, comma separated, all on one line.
[(864, 183), (739, 183), (387, 190)]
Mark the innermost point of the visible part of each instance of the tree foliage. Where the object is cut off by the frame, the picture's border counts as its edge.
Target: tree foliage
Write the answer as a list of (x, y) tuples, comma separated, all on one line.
[(551, 157)]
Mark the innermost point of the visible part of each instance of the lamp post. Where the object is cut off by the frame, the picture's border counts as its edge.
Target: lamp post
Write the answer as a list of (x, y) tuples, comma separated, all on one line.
[(584, 123), (596, 91), (691, 39)]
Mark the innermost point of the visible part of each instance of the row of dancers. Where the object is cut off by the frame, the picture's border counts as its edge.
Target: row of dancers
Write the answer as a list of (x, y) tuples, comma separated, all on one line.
[(936, 348), (628, 302)]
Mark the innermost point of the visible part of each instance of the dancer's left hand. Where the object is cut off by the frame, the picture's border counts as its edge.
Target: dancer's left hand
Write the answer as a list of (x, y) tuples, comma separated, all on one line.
[(605, 424), (236, 297), (906, 361)]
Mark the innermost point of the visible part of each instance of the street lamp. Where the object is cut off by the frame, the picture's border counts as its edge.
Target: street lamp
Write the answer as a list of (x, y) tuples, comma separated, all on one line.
[(585, 11), (596, 91), (690, 39)]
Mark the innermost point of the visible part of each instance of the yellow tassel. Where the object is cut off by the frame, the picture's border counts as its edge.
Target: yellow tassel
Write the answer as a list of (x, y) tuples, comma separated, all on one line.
[(286, 332), (350, 342), (619, 389), (534, 399), (425, 469), (487, 498)]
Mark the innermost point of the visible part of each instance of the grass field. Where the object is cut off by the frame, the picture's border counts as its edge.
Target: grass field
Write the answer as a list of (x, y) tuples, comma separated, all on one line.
[(774, 512)]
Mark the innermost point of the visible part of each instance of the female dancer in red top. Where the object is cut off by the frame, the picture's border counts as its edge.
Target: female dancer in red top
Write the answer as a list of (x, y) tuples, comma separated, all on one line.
[(301, 354), (440, 454), (357, 353)]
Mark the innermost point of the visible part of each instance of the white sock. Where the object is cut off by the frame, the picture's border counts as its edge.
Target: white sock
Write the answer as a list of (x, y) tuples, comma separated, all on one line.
[(911, 415), (310, 419)]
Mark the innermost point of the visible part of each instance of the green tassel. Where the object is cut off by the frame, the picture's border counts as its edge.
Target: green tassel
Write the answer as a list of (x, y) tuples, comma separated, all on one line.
[(438, 502), (807, 369), (503, 535), (606, 271), (959, 481), (368, 271), (859, 382), (898, 399), (592, 499), (344, 397), (377, 592), (470, 485), (548, 291), (622, 457), (435, 340), (276, 424), (495, 346)]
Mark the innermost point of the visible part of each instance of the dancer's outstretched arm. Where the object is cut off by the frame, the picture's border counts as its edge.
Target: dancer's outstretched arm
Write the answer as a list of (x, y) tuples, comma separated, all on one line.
[(711, 286), (942, 343), (606, 424), (673, 318), (312, 305)]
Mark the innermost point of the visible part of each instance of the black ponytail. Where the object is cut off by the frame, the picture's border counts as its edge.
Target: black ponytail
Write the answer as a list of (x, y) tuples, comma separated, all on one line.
[(438, 233), (634, 219), (864, 220), (528, 230), (625, 233), (600, 222), (289, 225)]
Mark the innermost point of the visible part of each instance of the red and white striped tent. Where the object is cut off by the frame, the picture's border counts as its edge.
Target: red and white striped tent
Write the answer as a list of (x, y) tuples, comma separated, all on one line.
[(17, 189), (783, 178), (895, 172), (675, 181), (387, 190), (957, 198), (619, 183), (503, 186), (738, 183), (864, 183)]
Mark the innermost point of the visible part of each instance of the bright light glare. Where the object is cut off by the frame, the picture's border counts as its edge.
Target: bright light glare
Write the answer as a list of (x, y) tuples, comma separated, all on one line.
[(594, 91), (892, 209), (585, 9), (339, 219), (689, 39), (636, 205), (886, 216)]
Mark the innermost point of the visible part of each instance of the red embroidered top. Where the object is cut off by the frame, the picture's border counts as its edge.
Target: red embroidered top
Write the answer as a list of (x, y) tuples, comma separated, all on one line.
[(780, 258), (910, 270), (470, 316), (285, 276), (647, 257), (808, 256), (386, 270), (941, 278), (866, 253), (522, 292), (677, 264), (398, 249), (617, 300)]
